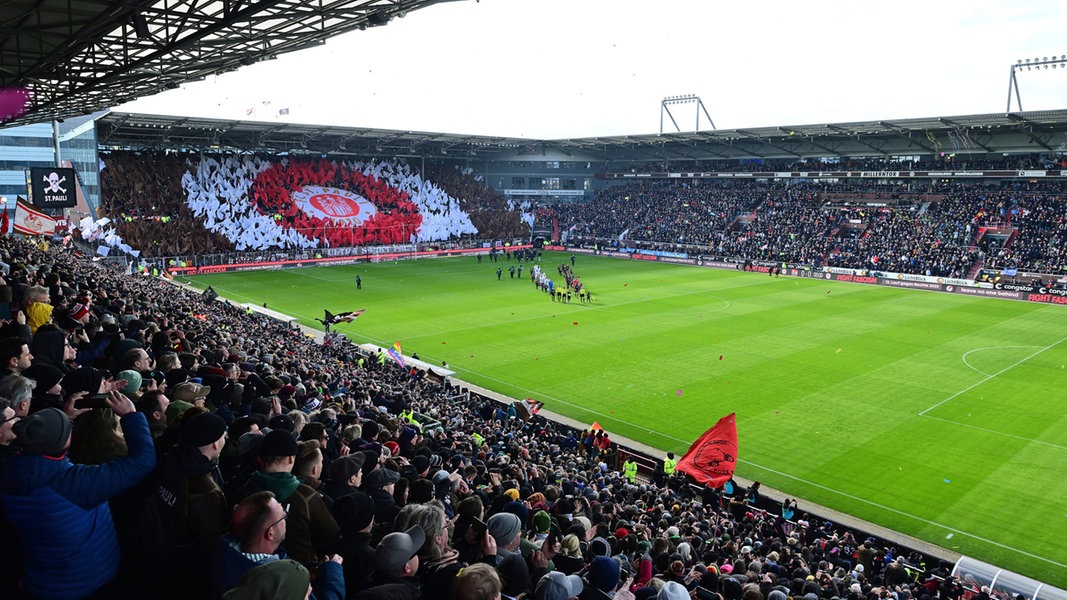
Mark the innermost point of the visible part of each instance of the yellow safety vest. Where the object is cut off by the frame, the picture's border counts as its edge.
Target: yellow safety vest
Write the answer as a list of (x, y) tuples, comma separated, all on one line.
[(668, 466), (629, 470)]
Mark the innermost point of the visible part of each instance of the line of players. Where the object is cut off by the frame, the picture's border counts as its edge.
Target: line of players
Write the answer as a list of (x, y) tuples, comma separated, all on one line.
[(560, 293)]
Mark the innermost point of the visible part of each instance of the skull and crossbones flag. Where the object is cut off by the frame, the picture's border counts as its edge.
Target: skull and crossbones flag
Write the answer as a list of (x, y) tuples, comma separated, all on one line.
[(52, 187), (711, 459)]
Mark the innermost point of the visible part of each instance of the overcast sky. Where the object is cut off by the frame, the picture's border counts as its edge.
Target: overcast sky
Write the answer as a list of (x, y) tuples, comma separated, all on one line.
[(548, 69)]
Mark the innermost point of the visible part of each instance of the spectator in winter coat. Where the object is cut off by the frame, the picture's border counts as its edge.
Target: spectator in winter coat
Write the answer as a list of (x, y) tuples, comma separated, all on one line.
[(61, 509)]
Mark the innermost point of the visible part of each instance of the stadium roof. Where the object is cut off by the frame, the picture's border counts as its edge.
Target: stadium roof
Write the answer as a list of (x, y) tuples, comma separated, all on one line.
[(1013, 133), (79, 56)]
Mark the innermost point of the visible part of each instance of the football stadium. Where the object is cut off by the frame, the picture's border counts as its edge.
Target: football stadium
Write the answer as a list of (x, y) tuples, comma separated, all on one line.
[(260, 359)]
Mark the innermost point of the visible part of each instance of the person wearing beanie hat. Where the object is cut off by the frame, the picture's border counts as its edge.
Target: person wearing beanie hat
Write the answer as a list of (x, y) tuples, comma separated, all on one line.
[(542, 522), (506, 529), (47, 378), (84, 379), (132, 379), (603, 574), (283, 579), (282, 422), (672, 590), (519, 510), (514, 575), (45, 432), (512, 493), (355, 517), (421, 464), (287, 579), (61, 509), (188, 497), (79, 313), (312, 530)]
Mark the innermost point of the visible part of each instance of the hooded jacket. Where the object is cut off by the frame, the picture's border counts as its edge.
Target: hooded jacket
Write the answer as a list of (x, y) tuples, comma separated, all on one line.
[(311, 530), (61, 512)]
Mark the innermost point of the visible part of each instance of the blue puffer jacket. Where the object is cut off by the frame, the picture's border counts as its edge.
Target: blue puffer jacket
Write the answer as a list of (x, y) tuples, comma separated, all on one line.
[(61, 512)]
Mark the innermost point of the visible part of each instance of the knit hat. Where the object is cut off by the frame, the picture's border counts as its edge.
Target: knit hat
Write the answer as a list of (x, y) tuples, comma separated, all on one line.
[(202, 429), (376, 480), (514, 575), (85, 379), (504, 527), (370, 429), (672, 590), (440, 476), (176, 376), (519, 510), (557, 586), (645, 593), (78, 311), (353, 512), (175, 411), (278, 443), (421, 464), (603, 574), (43, 432), (276, 580), (394, 448), (512, 493), (542, 522), (396, 549), (342, 469), (599, 547), (46, 376), (283, 422), (133, 381)]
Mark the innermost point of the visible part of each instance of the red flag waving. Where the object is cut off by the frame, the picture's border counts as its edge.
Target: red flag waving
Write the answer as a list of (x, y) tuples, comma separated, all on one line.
[(711, 459)]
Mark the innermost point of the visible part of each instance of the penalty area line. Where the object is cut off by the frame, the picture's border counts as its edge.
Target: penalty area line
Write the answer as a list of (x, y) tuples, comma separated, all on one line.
[(987, 378)]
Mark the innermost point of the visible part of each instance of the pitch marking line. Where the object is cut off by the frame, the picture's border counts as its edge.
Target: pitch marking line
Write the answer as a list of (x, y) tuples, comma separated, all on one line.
[(604, 417), (988, 377), (969, 352)]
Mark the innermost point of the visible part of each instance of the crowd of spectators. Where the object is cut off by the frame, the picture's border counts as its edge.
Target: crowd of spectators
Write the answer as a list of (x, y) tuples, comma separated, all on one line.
[(934, 162), (157, 445), (174, 204), (947, 229)]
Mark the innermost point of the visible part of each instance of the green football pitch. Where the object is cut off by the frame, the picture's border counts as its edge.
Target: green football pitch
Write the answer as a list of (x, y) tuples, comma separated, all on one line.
[(937, 415)]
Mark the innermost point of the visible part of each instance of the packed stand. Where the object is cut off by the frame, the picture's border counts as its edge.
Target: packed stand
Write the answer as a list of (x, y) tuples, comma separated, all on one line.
[(945, 230), (175, 204), (154, 445)]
